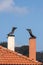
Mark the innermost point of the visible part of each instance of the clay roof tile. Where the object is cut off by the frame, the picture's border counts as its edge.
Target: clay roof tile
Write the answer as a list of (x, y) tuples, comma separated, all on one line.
[(10, 57)]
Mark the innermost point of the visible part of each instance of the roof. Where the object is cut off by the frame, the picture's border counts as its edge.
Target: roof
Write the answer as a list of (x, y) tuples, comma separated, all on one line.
[(10, 57)]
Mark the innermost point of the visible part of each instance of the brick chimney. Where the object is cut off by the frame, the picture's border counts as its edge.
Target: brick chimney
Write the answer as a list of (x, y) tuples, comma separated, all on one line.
[(11, 42), (32, 48)]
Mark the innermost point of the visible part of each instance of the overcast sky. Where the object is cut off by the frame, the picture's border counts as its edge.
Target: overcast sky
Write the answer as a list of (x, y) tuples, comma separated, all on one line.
[(22, 14)]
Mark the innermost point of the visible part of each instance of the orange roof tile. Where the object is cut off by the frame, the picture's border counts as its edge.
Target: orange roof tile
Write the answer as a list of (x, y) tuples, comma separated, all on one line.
[(10, 57)]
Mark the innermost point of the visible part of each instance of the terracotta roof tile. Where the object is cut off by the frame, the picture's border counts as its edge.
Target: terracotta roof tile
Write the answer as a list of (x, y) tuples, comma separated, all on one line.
[(10, 57)]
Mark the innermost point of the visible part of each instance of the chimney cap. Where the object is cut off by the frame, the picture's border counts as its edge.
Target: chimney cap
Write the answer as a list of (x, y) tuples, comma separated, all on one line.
[(32, 38), (11, 35), (31, 34)]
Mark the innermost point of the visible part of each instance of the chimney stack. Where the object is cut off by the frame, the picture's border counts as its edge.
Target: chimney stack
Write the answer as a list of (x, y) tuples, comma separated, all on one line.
[(11, 39), (32, 45), (32, 48), (11, 42)]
